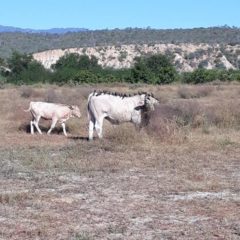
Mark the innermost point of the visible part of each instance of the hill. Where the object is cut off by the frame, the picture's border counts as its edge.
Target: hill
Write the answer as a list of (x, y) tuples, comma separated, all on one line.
[(216, 47), (185, 56), (26, 42), (5, 29)]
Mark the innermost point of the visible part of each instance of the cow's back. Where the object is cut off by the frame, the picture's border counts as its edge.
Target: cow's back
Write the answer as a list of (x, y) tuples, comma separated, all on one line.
[(115, 107)]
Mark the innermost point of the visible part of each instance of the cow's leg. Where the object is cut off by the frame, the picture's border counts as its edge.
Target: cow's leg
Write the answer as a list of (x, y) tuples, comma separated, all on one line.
[(92, 121), (98, 126), (54, 121), (36, 121), (90, 129), (64, 129)]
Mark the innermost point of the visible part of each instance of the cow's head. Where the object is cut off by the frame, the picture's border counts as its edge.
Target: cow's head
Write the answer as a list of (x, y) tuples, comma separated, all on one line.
[(75, 111), (141, 101), (150, 101)]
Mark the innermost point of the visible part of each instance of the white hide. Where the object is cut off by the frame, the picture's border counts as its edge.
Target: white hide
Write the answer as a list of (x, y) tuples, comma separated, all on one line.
[(51, 111), (116, 109)]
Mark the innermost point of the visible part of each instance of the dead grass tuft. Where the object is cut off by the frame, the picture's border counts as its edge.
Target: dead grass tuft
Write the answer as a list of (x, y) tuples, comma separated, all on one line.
[(125, 134), (13, 197), (29, 92), (187, 92), (51, 96), (163, 123), (190, 113), (225, 114)]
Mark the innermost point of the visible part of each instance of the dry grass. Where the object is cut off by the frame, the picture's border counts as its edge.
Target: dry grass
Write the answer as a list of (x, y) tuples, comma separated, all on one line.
[(176, 178), (198, 91)]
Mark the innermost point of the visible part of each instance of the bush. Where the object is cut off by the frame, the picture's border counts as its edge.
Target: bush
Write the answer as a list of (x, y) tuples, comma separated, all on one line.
[(200, 76), (75, 68), (163, 122), (3, 81), (209, 75), (25, 70), (76, 61), (85, 76), (156, 69), (27, 92)]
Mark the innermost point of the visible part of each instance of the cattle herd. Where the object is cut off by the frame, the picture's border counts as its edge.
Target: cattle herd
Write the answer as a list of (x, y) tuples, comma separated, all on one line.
[(115, 107)]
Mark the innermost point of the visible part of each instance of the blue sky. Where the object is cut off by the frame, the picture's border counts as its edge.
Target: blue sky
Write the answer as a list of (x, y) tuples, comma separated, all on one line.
[(103, 14)]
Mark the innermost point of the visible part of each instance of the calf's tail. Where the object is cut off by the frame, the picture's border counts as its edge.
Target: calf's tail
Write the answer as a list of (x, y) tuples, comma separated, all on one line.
[(27, 110)]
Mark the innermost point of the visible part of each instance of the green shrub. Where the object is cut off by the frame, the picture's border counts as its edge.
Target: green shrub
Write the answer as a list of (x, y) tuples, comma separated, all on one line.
[(26, 70), (156, 69), (75, 68)]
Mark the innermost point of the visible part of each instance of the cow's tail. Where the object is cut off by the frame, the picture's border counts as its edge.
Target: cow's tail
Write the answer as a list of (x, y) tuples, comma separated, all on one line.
[(28, 110), (88, 103)]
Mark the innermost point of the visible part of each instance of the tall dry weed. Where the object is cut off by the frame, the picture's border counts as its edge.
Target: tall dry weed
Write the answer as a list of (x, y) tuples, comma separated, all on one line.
[(29, 92), (189, 113), (187, 92), (51, 96), (125, 134), (225, 114), (163, 123)]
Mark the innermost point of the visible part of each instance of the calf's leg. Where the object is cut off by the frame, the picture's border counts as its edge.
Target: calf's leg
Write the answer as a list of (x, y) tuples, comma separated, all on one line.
[(54, 121), (35, 122), (64, 129), (31, 126)]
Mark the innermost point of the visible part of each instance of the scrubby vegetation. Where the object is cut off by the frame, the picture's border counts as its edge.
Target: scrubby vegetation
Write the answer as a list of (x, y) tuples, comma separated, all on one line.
[(77, 69), (73, 68)]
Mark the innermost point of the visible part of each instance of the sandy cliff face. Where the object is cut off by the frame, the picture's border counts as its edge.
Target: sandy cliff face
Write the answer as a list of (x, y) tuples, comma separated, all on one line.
[(186, 57)]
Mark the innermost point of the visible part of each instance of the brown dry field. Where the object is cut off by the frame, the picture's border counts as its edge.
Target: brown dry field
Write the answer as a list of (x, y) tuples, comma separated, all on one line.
[(168, 181)]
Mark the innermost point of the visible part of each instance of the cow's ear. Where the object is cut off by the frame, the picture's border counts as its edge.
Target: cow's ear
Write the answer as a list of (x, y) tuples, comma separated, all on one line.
[(139, 108), (141, 103)]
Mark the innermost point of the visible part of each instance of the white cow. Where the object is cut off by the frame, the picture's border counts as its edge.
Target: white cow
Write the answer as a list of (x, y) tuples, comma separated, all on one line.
[(51, 111), (116, 108)]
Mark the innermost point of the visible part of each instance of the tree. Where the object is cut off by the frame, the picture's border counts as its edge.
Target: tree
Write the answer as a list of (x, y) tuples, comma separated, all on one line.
[(156, 69), (76, 61), (26, 70), (140, 72), (19, 62), (76, 68)]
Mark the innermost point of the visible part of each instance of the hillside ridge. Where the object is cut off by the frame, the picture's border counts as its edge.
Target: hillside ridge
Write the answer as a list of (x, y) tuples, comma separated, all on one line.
[(37, 42), (185, 56)]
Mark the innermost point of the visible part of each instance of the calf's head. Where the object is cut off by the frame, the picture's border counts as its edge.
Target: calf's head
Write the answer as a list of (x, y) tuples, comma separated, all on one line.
[(75, 111)]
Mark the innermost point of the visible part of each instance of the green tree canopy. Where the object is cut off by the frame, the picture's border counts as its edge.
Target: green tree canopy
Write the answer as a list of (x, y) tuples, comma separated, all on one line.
[(156, 69), (76, 61), (26, 70)]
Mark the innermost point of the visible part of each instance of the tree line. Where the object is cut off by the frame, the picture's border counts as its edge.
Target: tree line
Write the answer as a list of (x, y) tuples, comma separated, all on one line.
[(35, 42), (73, 68)]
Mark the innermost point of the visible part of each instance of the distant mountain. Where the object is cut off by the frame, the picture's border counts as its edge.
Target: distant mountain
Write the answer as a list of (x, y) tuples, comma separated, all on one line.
[(50, 31)]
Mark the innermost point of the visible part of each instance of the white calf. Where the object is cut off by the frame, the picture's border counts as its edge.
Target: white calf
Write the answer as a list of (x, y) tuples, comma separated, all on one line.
[(51, 111)]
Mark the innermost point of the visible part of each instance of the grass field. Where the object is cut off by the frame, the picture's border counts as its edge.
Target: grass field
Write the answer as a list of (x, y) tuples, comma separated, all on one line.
[(177, 178)]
